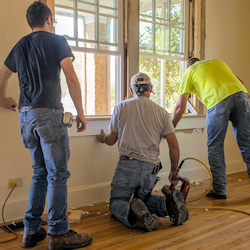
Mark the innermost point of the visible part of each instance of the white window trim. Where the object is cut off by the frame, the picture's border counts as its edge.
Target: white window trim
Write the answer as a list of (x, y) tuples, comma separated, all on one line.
[(94, 126)]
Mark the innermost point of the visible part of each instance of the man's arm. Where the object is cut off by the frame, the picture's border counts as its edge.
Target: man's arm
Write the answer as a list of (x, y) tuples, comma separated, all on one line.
[(109, 139), (174, 154), (75, 92), (240, 80), (6, 102), (179, 108)]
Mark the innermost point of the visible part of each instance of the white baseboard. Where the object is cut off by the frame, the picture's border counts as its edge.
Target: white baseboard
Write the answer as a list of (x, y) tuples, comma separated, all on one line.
[(88, 194)]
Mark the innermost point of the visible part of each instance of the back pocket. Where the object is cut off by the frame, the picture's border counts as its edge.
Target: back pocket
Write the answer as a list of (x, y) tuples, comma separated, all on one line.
[(50, 132)]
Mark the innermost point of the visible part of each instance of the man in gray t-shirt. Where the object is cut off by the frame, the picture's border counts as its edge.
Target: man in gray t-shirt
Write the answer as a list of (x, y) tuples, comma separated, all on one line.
[(139, 124)]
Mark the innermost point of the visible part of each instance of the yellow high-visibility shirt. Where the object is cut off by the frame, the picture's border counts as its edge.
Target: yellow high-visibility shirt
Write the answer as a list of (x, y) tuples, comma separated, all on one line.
[(211, 80)]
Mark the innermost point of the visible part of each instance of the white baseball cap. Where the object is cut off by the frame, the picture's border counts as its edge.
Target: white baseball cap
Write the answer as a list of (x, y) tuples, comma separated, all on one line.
[(140, 79)]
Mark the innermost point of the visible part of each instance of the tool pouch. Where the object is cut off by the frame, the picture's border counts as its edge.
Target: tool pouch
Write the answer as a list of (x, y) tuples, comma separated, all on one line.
[(68, 119)]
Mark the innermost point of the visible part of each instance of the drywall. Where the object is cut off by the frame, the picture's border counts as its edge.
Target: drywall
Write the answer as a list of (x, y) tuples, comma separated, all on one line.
[(92, 164)]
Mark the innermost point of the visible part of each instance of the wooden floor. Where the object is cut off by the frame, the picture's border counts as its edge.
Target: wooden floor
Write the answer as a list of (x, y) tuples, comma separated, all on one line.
[(206, 228)]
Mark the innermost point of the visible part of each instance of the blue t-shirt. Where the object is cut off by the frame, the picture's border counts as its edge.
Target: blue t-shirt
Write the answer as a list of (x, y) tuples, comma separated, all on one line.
[(36, 58)]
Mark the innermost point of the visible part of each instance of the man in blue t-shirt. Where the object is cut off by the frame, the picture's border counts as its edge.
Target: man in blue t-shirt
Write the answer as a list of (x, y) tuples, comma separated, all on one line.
[(38, 59)]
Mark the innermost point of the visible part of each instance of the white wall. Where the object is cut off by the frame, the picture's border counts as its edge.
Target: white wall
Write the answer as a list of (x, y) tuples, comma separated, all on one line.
[(92, 164), (228, 38)]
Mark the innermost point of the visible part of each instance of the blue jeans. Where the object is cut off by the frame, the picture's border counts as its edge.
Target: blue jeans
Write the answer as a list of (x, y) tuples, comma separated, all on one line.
[(234, 108), (134, 177), (46, 137)]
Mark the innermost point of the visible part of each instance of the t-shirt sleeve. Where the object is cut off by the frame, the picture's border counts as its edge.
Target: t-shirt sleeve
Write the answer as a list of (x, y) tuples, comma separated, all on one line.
[(63, 49), (10, 61), (169, 127), (185, 85), (113, 125)]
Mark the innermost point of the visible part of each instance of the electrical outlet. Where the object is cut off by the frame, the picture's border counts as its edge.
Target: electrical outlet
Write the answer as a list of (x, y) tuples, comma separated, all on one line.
[(18, 181)]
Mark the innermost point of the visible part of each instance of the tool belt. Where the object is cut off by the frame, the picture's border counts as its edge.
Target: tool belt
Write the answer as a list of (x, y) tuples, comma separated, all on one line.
[(125, 157), (156, 169)]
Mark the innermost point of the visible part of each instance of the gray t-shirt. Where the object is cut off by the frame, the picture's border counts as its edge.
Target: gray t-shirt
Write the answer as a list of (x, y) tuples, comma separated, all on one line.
[(140, 124)]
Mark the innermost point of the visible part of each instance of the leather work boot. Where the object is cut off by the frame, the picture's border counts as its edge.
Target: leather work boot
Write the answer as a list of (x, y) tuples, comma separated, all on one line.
[(69, 240), (212, 194), (176, 207), (140, 210), (30, 240)]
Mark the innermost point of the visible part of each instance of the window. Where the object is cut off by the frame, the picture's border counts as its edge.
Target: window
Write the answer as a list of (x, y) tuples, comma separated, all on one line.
[(93, 29), (162, 47)]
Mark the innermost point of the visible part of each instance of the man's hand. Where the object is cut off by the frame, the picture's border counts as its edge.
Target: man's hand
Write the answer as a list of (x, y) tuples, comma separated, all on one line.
[(172, 177), (81, 123), (101, 136), (8, 103)]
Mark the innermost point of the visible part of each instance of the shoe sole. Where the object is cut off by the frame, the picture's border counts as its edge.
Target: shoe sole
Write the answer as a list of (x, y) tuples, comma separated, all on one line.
[(150, 221), (61, 247), (139, 208), (216, 196), (180, 214)]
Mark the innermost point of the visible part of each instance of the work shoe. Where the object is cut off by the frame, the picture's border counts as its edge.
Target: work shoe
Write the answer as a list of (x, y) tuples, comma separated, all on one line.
[(212, 194), (176, 207), (69, 240), (140, 210), (30, 240)]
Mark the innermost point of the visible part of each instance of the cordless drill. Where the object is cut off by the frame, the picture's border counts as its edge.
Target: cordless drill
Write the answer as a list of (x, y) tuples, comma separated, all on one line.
[(185, 186)]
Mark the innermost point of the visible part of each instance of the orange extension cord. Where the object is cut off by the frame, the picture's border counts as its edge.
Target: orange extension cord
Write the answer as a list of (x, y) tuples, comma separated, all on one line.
[(16, 235), (204, 194)]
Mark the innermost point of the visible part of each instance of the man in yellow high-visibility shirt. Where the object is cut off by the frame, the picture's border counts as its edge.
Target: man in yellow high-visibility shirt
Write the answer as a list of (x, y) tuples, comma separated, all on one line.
[(226, 99)]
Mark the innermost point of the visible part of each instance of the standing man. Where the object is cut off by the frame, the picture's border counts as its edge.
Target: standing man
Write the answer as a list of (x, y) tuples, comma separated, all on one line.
[(139, 124), (38, 59), (226, 99)]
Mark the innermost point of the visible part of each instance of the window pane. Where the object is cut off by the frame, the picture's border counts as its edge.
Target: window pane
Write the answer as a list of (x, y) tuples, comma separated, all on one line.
[(152, 67), (146, 7), (146, 36), (68, 3), (161, 9), (108, 7), (65, 22), (169, 81), (87, 26), (97, 75), (173, 76), (161, 39), (87, 45), (177, 11), (108, 47), (87, 5), (177, 41), (107, 29)]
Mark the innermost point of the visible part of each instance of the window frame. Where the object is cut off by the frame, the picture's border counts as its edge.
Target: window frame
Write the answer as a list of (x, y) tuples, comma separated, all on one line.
[(129, 59), (119, 90)]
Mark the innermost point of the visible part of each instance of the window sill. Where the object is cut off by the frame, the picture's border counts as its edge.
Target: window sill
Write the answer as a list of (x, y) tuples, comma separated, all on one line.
[(95, 124)]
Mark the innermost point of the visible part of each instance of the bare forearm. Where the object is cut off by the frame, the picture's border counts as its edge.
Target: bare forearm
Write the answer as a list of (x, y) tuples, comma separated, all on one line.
[(174, 155), (109, 139), (177, 114), (75, 93), (3, 85), (179, 108)]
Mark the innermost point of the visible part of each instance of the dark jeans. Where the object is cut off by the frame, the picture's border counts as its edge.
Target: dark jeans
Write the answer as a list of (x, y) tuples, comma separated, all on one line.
[(44, 134), (234, 108), (134, 177)]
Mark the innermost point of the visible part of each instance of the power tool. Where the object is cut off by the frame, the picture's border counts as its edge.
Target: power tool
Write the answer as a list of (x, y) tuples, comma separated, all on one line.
[(185, 186)]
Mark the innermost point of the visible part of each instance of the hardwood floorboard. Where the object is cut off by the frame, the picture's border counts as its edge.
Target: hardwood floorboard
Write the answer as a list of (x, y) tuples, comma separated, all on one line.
[(206, 228)]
